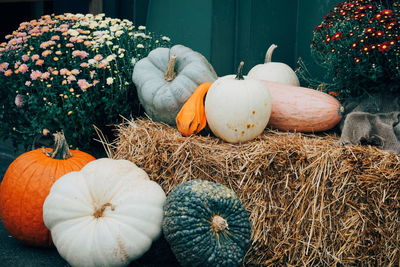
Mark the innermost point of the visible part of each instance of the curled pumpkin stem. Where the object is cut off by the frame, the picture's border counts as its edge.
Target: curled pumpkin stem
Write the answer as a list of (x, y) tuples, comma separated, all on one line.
[(191, 119), (270, 51)]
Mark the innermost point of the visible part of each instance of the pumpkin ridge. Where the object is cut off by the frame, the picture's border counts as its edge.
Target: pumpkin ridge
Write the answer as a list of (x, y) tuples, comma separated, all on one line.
[(74, 163), (181, 77), (153, 64), (142, 231), (133, 229), (22, 218)]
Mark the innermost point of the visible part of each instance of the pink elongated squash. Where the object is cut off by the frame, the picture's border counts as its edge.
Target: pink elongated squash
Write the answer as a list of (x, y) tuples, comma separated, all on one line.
[(302, 109)]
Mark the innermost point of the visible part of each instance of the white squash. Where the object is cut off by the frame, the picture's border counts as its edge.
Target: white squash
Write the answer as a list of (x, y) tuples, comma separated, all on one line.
[(238, 109), (274, 71), (106, 214)]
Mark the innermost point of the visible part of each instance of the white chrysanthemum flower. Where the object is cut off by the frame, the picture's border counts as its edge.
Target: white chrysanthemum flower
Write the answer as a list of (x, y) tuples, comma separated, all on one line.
[(140, 46), (111, 57), (115, 28), (119, 33), (141, 34), (92, 61), (133, 61), (142, 27), (109, 43), (110, 80), (93, 25), (100, 33), (103, 24), (165, 38), (73, 32), (99, 16)]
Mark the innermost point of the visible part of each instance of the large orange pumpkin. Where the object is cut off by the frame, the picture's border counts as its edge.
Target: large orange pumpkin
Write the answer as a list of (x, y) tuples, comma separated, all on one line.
[(27, 183)]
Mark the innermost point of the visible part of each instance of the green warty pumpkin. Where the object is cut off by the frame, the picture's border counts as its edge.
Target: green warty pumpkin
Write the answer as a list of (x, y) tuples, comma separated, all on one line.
[(206, 224)]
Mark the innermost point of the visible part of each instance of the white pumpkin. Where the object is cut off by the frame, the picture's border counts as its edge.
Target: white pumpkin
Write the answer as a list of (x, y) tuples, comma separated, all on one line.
[(106, 214), (274, 71), (237, 109)]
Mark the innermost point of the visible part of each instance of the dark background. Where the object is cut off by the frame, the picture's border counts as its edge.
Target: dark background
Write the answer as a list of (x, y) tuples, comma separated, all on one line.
[(224, 31)]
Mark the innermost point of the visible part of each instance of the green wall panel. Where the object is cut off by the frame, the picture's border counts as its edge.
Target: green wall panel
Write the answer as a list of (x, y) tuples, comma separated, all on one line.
[(186, 22), (229, 31), (262, 23), (310, 14), (223, 36)]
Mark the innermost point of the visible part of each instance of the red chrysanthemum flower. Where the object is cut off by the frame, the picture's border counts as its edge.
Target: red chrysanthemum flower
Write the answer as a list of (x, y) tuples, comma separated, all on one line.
[(387, 12), (336, 36), (369, 30), (384, 47), (360, 8)]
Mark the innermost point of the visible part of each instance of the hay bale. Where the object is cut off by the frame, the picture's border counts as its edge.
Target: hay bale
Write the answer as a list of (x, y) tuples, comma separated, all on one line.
[(311, 201)]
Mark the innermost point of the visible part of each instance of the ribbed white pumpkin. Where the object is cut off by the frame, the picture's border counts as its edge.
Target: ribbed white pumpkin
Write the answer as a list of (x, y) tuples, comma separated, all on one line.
[(238, 109), (166, 78), (107, 214), (274, 71)]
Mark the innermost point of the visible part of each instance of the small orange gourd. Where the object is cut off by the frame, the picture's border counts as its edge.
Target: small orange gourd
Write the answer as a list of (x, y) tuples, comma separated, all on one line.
[(27, 183), (191, 119)]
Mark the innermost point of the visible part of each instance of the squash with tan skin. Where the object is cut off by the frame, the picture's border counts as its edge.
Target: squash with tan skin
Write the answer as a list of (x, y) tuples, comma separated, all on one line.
[(191, 119), (301, 109)]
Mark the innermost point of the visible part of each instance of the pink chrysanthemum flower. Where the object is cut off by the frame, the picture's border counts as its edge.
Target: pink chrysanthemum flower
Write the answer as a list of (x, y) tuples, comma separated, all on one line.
[(19, 100), (23, 68)]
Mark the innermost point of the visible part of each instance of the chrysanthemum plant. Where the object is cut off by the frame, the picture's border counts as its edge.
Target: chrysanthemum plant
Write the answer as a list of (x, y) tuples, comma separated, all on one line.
[(358, 45), (70, 72)]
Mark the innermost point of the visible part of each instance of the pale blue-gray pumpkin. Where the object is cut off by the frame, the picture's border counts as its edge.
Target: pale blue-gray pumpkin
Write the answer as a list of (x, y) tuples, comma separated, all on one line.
[(167, 77), (206, 224)]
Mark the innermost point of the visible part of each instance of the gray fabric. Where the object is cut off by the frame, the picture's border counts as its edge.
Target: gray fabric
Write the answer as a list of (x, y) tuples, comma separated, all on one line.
[(373, 120)]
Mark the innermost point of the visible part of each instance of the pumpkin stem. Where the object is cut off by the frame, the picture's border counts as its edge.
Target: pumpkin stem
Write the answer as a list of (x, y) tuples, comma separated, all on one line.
[(60, 149), (99, 212), (239, 74), (170, 74), (218, 223), (270, 51)]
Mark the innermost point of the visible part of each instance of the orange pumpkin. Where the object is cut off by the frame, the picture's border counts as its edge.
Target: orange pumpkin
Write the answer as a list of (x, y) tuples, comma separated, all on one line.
[(27, 183), (191, 119), (301, 109)]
